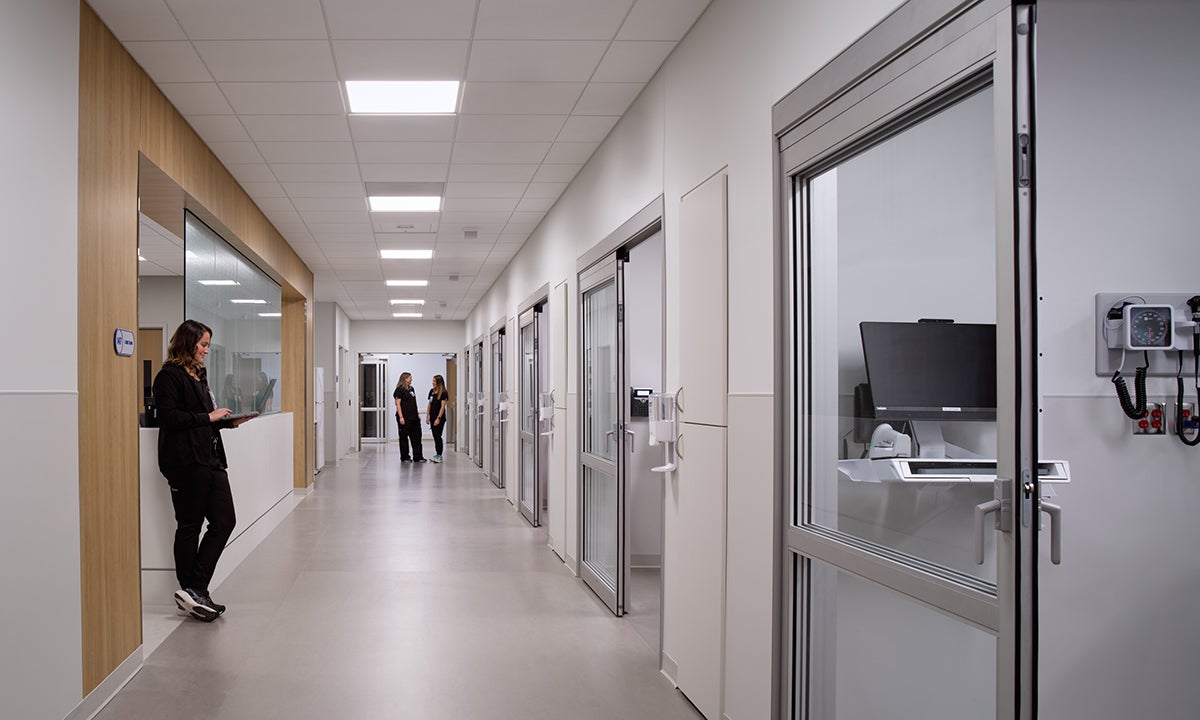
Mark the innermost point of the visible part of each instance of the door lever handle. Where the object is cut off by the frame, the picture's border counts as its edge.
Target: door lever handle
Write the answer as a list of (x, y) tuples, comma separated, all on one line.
[(1055, 513), (982, 510)]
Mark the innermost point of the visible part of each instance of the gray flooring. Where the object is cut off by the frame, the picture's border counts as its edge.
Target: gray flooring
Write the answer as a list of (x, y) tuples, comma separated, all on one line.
[(404, 591)]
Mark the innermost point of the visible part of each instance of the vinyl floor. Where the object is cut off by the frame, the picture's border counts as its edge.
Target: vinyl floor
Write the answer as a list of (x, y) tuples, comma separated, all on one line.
[(404, 591)]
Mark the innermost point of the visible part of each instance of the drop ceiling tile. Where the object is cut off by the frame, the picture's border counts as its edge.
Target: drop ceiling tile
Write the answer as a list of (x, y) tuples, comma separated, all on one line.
[(545, 189), (330, 204), (474, 218), (318, 217), (405, 240), (259, 190), (339, 228), (276, 204), (503, 153), (218, 128), (196, 98), (284, 218), (520, 228), (402, 152), (241, 20), (132, 20), (521, 98), (371, 128), (234, 153), (534, 60), (404, 172), (401, 59), (570, 152), (629, 61), (285, 98), (535, 204), (587, 128), (661, 19), (169, 61), (341, 252), (607, 98), (485, 190), (344, 173), (453, 231), (400, 19), (327, 238), (307, 152), (268, 60), (347, 275), (492, 173), (473, 204), (551, 19), (301, 128), (323, 190), (509, 128), (252, 173)]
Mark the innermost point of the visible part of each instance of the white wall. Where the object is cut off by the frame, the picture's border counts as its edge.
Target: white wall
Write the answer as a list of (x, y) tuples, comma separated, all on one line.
[(709, 107), (160, 302), (41, 666)]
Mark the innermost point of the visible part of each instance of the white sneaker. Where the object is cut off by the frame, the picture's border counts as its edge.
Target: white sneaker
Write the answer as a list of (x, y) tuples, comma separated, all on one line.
[(436, 458)]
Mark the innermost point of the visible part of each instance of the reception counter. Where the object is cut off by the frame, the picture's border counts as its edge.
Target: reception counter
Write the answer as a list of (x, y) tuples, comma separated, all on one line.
[(260, 475)]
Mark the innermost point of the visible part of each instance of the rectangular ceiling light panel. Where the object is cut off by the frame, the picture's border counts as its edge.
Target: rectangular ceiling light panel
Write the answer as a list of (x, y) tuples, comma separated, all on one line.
[(407, 283), (405, 97), (397, 203), (406, 254), (412, 301)]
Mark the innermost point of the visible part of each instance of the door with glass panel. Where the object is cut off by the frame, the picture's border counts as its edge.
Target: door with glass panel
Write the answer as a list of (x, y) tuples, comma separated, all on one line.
[(374, 399), (468, 405), (529, 340), (480, 405), (499, 406), (602, 564), (908, 416)]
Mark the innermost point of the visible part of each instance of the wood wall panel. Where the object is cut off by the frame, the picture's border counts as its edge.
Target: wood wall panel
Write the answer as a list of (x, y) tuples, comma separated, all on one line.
[(110, 582), (122, 112)]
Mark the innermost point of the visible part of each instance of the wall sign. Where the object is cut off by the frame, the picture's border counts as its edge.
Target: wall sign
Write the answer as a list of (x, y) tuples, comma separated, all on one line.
[(123, 342)]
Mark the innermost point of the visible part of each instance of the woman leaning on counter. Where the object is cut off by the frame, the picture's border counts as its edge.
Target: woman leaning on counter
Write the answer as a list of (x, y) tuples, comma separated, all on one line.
[(192, 458)]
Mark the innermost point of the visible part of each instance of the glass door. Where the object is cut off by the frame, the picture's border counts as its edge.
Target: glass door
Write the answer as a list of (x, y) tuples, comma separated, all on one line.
[(468, 405), (909, 411), (374, 399), (499, 407), (480, 405), (528, 491), (602, 493)]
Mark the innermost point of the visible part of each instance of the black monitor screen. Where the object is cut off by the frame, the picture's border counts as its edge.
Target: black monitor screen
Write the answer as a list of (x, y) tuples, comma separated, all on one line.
[(931, 370)]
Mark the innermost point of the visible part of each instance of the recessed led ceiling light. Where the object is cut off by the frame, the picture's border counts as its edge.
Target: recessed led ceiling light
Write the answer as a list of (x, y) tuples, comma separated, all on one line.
[(408, 97), (247, 301), (408, 315), (270, 314), (405, 254), (396, 203), (407, 283), (218, 282), (407, 302)]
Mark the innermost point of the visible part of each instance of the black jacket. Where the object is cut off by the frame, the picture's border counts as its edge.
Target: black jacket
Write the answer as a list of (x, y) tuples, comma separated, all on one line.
[(185, 436)]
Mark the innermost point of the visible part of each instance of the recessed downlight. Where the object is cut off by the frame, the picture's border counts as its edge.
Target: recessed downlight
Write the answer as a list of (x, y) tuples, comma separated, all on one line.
[(402, 97)]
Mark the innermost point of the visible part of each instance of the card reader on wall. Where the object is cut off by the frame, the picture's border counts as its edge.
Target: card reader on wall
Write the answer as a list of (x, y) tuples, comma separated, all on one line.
[(639, 402)]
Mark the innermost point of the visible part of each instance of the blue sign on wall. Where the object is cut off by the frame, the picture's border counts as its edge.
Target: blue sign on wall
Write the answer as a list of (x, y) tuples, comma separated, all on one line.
[(123, 342)]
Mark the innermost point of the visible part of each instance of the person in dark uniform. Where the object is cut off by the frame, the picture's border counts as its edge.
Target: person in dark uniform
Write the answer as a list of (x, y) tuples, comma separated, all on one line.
[(192, 458), (436, 414), (408, 419)]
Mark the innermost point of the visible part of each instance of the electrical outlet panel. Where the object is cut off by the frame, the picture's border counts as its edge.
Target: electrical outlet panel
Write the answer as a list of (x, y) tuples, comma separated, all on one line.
[(1187, 413), (1154, 422), (1158, 323)]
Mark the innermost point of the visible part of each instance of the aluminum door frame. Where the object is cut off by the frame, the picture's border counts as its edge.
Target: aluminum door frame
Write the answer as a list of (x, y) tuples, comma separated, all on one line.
[(944, 43), (381, 366), (480, 403), (499, 420), (531, 512), (615, 596)]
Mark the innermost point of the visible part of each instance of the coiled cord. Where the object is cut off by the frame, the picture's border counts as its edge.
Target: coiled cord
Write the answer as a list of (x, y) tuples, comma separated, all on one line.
[(1137, 411)]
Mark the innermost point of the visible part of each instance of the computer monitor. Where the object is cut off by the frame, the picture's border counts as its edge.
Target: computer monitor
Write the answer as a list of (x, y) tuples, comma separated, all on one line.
[(931, 370)]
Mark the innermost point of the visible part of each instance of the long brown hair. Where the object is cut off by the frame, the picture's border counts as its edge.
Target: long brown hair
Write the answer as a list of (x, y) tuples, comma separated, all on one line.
[(439, 385), (402, 377), (182, 349)]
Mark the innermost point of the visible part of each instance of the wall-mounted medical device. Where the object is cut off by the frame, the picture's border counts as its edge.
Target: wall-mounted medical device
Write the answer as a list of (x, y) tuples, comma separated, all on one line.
[(664, 428), (1151, 334)]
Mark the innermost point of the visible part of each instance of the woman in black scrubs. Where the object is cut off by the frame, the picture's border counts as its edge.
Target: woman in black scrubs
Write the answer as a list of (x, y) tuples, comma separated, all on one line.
[(192, 458), (408, 419)]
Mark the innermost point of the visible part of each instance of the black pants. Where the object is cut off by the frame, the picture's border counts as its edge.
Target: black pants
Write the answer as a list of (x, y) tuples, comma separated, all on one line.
[(437, 435), (200, 493), (410, 432)]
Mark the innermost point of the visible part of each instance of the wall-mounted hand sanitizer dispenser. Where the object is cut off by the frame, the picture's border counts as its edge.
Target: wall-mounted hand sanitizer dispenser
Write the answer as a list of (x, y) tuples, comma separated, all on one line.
[(664, 427)]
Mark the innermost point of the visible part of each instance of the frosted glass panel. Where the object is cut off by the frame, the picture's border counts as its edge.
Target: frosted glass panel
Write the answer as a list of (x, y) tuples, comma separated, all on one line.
[(600, 370), (600, 524)]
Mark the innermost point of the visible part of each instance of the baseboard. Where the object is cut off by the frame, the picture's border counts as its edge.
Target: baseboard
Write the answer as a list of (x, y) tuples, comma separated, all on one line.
[(305, 491), (669, 669), (572, 565), (95, 701)]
